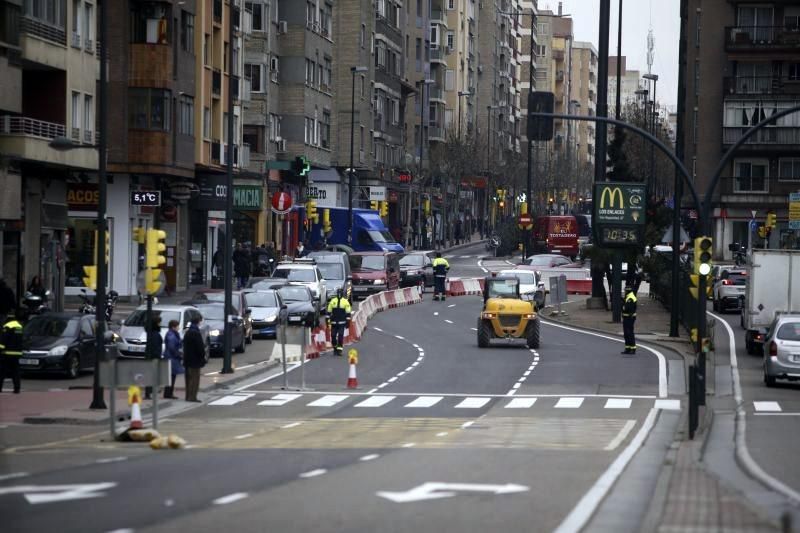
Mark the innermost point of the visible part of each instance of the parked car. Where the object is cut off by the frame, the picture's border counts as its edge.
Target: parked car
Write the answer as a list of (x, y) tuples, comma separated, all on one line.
[(782, 349), (239, 304), (304, 272), (263, 283), (416, 268), (374, 272), (133, 338), (267, 311), (335, 268), (214, 319), (531, 286), (547, 261), (301, 308), (60, 342), (729, 289), (584, 229)]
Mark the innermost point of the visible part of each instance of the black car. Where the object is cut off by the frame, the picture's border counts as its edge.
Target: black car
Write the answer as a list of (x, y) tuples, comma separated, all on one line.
[(300, 305), (59, 342), (214, 320), (416, 268)]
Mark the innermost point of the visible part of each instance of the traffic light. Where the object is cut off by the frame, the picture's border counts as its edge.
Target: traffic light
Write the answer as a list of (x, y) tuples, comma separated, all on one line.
[(301, 166), (426, 206), (154, 258), (373, 204), (90, 280), (152, 280), (523, 207), (762, 232), (694, 285), (703, 248), (326, 221), (107, 250), (139, 235), (771, 220), (311, 211), (384, 209)]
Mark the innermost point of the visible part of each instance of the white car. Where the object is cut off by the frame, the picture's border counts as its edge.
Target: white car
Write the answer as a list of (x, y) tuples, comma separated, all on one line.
[(531, 287), (306, 273)]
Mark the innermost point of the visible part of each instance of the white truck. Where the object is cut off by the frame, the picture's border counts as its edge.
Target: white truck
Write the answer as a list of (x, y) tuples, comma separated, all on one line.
[(773, 286)]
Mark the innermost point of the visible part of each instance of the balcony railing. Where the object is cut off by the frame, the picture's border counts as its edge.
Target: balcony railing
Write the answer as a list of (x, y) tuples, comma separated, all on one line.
[(764, 37), (76, 134), (88, 136), (88, 45), (76, 40), (216, 82), (774, 135), (435, 133), (760, 85), (438, 17), (30, 127), (438, 54), (44, 30), (436, 93), (217, 11)]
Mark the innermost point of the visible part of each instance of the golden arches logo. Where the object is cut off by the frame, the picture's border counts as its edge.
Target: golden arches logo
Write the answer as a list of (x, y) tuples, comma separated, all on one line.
[(616, 192)]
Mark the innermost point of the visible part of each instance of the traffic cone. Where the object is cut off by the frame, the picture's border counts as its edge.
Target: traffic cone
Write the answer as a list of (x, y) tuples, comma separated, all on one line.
[(352, 379), (135, 398)]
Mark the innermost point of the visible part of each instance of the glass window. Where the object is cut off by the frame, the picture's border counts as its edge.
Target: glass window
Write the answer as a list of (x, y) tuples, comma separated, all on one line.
[(789, 169), (255, 73), (186, 115), (751, 176), (76, 110), (261, 299), (206, 123), (138, 318), (789, 331), (86, 327), (332, 271), (149, 109), (367, 262), (88, 23), (414, 260), (295, 294), (50, 326), (51, 11), (88, 117), (150, 23), (257, 9), (187, 31), (295, 274), (211, 312)]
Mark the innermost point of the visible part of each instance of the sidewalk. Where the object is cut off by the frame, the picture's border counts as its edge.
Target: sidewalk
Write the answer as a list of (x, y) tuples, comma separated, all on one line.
[(691, 498)]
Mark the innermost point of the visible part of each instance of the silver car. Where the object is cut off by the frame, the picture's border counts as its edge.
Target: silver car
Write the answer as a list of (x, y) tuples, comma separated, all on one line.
[(782, 349), (133, 338)]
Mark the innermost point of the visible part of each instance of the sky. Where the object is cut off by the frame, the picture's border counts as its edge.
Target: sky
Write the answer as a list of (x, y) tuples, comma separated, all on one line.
[(638, 16)]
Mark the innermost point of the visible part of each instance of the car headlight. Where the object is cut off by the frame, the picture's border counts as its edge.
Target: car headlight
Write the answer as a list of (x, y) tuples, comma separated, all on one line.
[(379, 281), (58, 350), (271, 318), (214, 333)]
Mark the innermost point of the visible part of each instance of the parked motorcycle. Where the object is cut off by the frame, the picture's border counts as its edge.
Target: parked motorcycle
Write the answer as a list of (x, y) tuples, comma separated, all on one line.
[(264, 267), (34, 304), (88, 306), (493, 244)]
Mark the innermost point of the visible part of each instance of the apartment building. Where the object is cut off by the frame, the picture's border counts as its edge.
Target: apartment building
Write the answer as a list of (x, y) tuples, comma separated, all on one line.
[(457, 54), (48, 76), (584, 97), (630, 83), (744, 65), (561, 40)]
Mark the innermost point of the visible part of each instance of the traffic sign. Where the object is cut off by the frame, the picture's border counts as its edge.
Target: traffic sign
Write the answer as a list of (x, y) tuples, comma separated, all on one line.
[(525, 221), (281, 203)]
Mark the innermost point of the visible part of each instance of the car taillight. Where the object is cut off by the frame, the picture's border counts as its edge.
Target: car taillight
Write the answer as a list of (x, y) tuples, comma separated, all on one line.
[(727, 282), (773, 349)]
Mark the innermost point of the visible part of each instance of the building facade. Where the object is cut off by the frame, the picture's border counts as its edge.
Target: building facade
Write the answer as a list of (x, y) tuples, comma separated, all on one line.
[(584, 94)]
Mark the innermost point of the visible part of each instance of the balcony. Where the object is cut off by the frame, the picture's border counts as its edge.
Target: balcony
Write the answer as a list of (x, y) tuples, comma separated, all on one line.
[(436, 134), (379, 123), (756, 85), (438, 55), (33, 26), (437, 94), (29, 138), (217, 11), (558, 55), (774, 136), (216, 82), (438, 17), (762, 38), (30, 127)]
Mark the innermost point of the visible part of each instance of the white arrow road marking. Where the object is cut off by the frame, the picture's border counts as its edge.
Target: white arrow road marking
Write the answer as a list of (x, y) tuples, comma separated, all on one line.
[(58, 493), (437, 490)]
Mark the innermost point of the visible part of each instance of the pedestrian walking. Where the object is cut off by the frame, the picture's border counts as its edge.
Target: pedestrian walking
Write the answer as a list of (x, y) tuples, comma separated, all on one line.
[(172, 351), (153, 347), (241, 265), (8, 302), (629, 319), (440, 269), (194, 358), (339, 314), (10, 353)]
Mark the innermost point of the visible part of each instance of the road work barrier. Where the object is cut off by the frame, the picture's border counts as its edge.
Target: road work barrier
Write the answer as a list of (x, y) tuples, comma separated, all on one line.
[(578, 284)]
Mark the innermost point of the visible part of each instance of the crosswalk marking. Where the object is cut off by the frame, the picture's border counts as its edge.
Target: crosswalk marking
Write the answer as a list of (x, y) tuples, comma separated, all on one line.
[(473, 403), (569, 403), (376, 401), (425, 401), (231, 399), (520, 403), (280, 399), (328, 400), (618, 403), (772, 407), (668, 405)]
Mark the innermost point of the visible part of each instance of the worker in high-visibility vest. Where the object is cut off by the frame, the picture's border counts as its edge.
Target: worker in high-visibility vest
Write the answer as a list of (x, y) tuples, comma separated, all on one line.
[(10, 353), (339, 314), (440, 268), (629, 319)]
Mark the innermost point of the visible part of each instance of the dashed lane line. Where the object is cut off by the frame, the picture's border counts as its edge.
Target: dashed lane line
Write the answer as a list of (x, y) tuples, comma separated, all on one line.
[(370, 457), (230, 498), (313, 473)]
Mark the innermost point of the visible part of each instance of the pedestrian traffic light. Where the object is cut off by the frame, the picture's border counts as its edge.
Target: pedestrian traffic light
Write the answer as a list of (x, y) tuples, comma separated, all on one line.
[(106, 251), (384, 209), (152, 280), (139, 234), (301, 166), (373, 204), (326, 221), (311, 211), (154, 256), (762, 232), (90, 280), (703, 248), (771, 220)]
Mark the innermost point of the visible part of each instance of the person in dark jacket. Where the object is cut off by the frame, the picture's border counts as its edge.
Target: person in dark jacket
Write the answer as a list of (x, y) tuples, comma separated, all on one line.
[(152, 349), (194, 358), (8, 303), (629, 320), (241, 265), (172, 351)]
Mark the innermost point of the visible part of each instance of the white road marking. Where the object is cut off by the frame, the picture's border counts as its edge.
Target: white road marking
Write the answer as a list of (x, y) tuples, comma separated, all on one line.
[(372, 391), (776, 414), (618, 403), (436, 313), (480, 265), (377, 329), (621, 436), (451, 305), (280, 399), (465, 425), (438, 490), (416, 346), (35, 494), (112, 459), (169, 503), (403, 373), (399, 337), (292, 425), (474, 329), (668, 405), (230, 498), (231, 399), (329, 400), (313, 473), (392, 379), (268, 378), (465, 256), (415, 363), (767, 406), (409, 444), (520, 403), (569, 403), (448, 321), (516, 385), (376, 401), (14, 475), (662, 361), (243, 436), (425, 401), (527, 373), (409, 369), (369, 457), (441, 434), (473, 403), (124, 530)]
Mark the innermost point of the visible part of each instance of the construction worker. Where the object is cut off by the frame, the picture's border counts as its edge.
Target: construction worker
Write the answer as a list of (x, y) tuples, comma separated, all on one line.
[(339, 311), (629, 319), (440, 269), (10, 352)]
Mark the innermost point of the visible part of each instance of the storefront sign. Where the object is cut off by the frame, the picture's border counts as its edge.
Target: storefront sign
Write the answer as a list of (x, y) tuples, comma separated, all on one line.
[(247, 197), (149, 198), (281, 203), (405, 178), (212, 193), (82, 196), (377, 193), (325, 194)]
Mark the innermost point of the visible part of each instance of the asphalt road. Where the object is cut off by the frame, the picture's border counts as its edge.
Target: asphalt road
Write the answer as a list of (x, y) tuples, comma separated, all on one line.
[(439, 436)]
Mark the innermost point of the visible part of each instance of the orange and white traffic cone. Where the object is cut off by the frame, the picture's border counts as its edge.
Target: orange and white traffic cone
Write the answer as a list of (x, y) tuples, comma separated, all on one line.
[(352, 379), (134, 399)]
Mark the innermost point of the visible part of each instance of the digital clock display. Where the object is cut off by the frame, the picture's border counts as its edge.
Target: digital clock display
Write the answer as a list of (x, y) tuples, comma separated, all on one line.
[(620, 235)]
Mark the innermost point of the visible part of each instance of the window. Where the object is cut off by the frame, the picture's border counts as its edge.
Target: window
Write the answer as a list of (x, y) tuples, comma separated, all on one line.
[(789, 169), (149, 23), (255, 73), (697, 77), (274, 127), (149, 109), (206, 123), (380, 8), (187, 31), (76, 22), (88, 118), (363, 36), (434, 35), (750, 176), (257, 10), (327, 74), (363, 89), (793, 72), (361, 139), (325, 19), (309, 72), (253, 136), (88, 25), (451, 40), (186, 115), (451, 4), (53, 12), (308, 130), (76, 111), (206, 49), (449, 80), (311, 13), (325, 129)]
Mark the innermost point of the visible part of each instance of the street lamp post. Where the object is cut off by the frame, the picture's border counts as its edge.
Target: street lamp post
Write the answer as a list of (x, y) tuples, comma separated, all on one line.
[(654, 79), (424, 228), (227, 344), (351, 170)]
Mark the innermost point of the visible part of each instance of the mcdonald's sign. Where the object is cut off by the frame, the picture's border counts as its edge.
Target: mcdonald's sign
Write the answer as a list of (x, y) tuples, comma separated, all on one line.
[(620, 203), (613, 197)]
